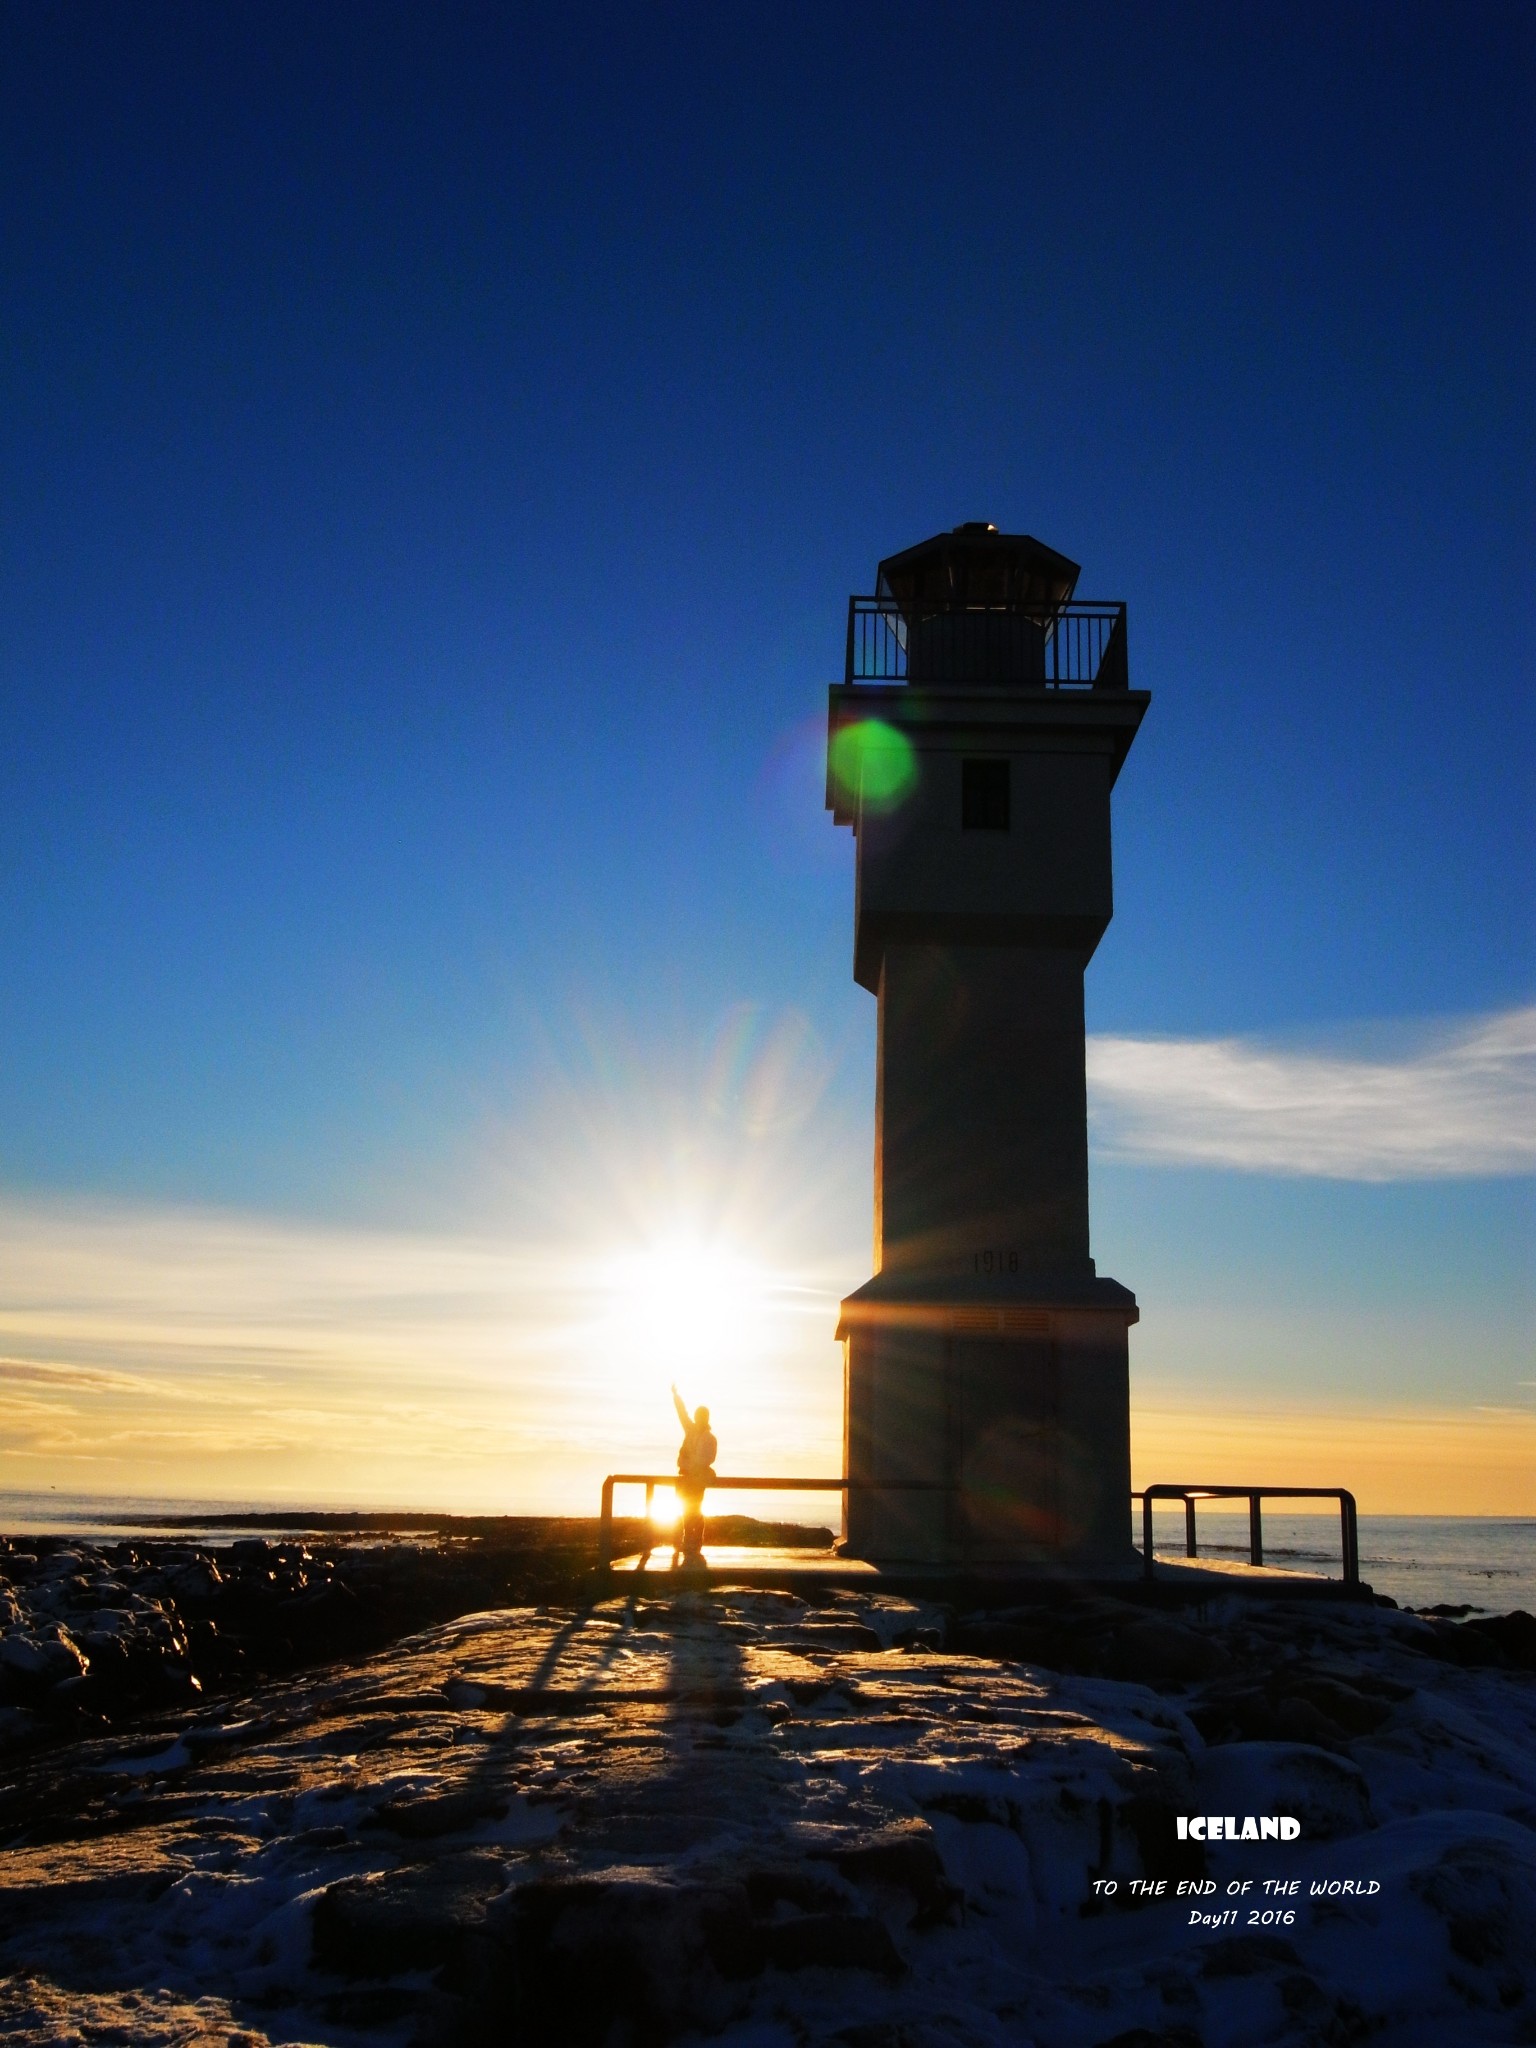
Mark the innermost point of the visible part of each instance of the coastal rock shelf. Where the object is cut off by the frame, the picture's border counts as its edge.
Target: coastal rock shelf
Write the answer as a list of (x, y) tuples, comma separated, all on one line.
[(92, 1632), (745, 1817)]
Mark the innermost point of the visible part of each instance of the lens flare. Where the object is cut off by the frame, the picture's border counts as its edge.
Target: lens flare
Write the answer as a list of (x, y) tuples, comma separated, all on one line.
[(767, 1070), (872, 764)]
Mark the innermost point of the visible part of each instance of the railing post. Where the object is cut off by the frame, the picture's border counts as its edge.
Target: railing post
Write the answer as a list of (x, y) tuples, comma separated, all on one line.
[(1350, 1531), (1191, 1548), (1255, 1528), (1146, 1533), (1113, 668), (848, 671), (605, 1524)]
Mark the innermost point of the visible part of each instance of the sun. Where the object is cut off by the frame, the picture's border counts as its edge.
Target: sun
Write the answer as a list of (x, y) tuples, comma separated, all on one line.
[(686, 1308)]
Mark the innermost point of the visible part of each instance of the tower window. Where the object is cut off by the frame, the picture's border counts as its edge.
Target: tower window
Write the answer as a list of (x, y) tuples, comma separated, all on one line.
[(984, 796)]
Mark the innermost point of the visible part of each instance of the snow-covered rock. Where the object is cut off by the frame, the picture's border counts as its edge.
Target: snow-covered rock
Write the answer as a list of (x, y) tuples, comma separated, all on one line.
[(738, 1818)]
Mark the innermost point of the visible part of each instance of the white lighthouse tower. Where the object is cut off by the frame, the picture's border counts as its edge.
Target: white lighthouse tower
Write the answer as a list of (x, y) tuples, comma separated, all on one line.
[(972, 746)]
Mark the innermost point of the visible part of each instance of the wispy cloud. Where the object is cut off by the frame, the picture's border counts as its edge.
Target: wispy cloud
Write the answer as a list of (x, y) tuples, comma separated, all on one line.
[(179, 1352), (60, 1375), (1462, 1103)]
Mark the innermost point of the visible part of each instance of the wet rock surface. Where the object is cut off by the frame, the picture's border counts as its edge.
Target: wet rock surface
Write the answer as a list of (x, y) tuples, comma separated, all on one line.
[(739, 1816)]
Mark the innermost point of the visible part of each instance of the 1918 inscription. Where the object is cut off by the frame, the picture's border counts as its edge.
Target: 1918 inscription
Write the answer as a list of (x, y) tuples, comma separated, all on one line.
[(999, 1260)]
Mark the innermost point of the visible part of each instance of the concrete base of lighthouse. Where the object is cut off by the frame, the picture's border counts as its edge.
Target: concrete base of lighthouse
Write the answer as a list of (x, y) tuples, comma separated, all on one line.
[(988, 1427)]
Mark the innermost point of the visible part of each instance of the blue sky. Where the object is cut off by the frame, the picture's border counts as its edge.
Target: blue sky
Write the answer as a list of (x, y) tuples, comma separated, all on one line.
[(439, 444)]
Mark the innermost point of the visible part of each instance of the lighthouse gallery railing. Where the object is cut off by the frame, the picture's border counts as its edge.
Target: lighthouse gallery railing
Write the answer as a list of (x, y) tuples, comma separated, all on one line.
[(1077, 646)]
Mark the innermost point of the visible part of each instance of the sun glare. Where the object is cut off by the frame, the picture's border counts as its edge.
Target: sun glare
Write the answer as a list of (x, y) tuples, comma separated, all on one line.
[(688, 1310)]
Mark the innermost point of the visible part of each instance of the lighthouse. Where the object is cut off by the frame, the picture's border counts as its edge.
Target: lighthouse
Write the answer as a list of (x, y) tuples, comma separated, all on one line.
[(973, 745)]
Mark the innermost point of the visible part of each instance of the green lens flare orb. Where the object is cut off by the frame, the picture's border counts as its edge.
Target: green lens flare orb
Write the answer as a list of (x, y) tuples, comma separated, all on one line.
[(872, 763)]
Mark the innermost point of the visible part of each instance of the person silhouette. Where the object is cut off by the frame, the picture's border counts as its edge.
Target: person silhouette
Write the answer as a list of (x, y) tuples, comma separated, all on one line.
[(695, 1471)]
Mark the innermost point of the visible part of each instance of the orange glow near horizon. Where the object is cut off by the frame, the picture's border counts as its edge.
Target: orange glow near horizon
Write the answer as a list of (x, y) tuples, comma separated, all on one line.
[(1400, 1461), (172, 1354)]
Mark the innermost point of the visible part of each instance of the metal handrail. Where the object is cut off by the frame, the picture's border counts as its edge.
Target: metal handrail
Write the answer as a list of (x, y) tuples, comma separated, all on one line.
[(1080, 645), (1254, 1495), (651, 1480)]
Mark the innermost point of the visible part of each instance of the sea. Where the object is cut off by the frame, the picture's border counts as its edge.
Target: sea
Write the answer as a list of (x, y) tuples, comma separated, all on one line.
[(1483, 1564)]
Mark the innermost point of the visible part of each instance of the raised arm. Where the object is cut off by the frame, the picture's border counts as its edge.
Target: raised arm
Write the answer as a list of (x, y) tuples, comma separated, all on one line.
[(682, 1413)]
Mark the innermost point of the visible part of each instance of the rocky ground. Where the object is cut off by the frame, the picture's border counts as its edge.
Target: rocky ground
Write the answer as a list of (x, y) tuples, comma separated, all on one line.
[(765, 1821), (92, 1632)]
